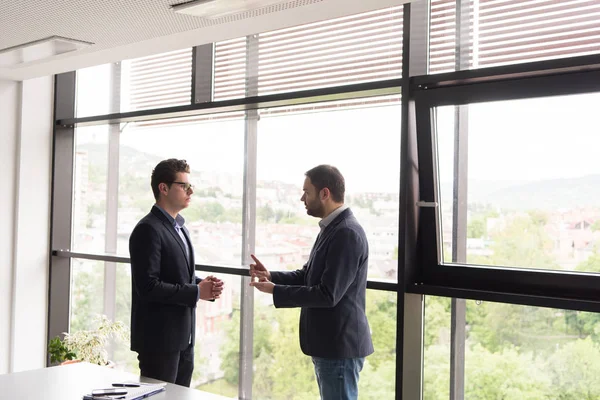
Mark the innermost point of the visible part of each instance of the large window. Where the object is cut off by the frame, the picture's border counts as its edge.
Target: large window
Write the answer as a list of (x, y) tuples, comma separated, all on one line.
[(476, 184), (531, 180), (245, 200)]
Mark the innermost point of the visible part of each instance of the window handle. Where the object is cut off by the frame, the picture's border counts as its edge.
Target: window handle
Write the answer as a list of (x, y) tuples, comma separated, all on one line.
[(427, 204)]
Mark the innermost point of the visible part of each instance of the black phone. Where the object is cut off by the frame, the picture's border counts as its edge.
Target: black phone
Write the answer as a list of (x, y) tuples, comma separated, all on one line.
[(109, 392)]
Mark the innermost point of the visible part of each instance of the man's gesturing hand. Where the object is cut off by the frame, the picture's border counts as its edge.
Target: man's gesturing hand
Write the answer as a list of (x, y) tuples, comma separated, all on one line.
[(258, 270), (264, 286)]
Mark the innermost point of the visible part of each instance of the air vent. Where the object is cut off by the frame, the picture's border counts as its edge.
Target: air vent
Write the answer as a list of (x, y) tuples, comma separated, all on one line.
[(39, 50)]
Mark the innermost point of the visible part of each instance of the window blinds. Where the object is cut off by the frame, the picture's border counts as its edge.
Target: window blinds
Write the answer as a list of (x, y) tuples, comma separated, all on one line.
[(502, 32)]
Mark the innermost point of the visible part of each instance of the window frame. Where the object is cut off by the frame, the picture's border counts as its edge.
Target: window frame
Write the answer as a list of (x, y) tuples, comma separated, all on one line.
[(546, 288)]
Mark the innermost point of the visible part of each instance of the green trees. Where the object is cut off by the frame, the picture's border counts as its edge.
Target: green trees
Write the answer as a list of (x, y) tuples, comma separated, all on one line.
[(476, 228), (522, 243), (574, 369), (513, 351), (282, 371), (212, 211), (506, 374)]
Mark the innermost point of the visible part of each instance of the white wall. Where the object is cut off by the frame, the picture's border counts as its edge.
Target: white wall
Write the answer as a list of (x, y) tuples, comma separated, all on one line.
[(10, 101), (32, 226), (25, 153)]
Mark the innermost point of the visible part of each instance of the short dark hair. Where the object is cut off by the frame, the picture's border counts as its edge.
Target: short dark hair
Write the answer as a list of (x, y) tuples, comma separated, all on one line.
[(328, 176), (165, 172)]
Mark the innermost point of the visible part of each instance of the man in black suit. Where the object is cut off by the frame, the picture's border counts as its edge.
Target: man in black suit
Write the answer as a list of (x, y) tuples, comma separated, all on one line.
[(330, 288), (164, 287)]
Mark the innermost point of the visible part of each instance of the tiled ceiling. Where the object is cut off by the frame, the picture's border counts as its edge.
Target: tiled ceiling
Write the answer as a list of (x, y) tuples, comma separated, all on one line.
[(106, 23), (114, 24)]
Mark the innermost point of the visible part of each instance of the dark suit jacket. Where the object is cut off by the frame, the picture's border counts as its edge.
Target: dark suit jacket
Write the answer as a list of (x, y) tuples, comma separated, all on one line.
[(331, 290), (164, 286)]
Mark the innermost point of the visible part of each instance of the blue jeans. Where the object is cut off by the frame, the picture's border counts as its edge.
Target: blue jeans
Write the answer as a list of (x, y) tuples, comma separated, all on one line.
[(338, 378)]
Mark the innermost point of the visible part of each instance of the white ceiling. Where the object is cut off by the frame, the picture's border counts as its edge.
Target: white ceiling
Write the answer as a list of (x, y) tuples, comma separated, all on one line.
[(123, 29)]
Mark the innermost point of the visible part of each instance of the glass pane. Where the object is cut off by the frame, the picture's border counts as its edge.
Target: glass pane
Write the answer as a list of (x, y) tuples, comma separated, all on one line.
[(218, 340), (93, 91), (123, 357), (282, 371), (436, 349), (87, 296), (214, 149), (378, 377), (515, 352), (504, 32), (89, 189), (532, 182), (157, 81), (217, 326), (541, 352), (363, 141)]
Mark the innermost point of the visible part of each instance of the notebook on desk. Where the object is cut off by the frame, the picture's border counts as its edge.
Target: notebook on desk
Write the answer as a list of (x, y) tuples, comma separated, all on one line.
[(133, 393)]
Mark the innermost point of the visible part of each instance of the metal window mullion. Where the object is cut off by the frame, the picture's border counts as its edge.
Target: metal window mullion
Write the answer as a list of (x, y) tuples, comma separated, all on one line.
[(409, 330), (464, 44), (459, 250), (63, 163), (248, 224), (203, 60), (112, 200)]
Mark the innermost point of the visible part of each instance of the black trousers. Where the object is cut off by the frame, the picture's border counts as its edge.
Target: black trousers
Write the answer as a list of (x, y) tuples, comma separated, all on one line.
[(173, 367)]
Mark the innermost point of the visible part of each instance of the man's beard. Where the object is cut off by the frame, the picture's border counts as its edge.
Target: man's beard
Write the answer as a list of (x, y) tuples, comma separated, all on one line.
[(314, 210)]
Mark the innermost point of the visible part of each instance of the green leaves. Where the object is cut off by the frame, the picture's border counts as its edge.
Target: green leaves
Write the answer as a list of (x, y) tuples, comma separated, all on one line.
[(59, 352), (87, 345)]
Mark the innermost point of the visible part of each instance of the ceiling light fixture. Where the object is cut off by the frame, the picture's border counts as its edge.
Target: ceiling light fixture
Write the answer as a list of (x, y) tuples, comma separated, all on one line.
[(212, 9), (39, 49)]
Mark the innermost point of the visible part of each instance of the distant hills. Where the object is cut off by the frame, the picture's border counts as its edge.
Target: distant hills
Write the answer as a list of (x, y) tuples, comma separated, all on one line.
[(130, 159), (549, 194), (545, 194)]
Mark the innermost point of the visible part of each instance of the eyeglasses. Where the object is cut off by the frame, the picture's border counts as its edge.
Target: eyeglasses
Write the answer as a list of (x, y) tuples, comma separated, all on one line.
[(186, 186)]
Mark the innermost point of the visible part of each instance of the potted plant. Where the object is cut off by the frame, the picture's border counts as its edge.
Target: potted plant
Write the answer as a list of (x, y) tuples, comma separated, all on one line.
[(87, 345)]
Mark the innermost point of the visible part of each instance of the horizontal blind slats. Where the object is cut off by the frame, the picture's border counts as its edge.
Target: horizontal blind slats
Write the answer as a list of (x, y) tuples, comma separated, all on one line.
[(509, 32), (162, 80), (358, 48)]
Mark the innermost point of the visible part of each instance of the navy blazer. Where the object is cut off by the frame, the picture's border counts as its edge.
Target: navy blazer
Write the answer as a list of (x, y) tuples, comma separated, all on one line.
[(163, 286), (331, 289)]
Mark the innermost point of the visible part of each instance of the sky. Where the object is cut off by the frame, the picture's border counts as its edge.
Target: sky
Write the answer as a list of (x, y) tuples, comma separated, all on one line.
[(526, 140), (363, 143), (366, 153), (519, 140)]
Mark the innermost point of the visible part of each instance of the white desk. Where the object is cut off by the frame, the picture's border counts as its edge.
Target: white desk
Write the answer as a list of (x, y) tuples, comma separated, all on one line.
[(71, 382)]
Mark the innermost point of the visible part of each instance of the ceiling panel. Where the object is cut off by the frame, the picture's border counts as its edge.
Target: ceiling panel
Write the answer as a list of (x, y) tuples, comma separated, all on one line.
[(134, 28)]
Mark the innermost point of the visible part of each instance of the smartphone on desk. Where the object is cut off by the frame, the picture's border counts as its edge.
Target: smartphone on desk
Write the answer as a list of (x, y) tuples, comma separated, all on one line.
[(109, 392)]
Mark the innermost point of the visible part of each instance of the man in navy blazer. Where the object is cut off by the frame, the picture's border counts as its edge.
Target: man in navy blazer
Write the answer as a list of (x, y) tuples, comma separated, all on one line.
[(164, 287), (330, 288)]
